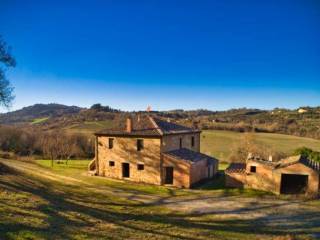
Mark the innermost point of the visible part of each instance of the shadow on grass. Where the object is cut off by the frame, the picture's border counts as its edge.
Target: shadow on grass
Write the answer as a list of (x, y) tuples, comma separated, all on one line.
[(71, 211)]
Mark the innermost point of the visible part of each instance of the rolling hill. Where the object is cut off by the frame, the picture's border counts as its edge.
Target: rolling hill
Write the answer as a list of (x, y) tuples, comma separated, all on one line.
[(38, 112)]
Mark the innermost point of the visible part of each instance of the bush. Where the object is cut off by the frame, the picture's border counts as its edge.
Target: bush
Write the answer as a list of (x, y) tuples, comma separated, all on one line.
[(308, 153)]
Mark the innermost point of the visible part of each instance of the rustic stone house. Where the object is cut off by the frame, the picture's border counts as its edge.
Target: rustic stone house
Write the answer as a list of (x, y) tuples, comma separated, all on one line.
[(151, 150), (293, 175)]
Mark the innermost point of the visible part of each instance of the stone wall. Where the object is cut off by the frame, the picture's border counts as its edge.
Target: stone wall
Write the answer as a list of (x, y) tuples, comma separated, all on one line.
[(262, 179), (199, 171), (267, 178), (235, 179), (125, 151), (299, 168), (172, 142), (181, 171)]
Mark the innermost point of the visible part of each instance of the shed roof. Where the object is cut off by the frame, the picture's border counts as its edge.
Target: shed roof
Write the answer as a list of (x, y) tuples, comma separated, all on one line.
[(236, 168), (298, 159), (289, 161), (190, 156)]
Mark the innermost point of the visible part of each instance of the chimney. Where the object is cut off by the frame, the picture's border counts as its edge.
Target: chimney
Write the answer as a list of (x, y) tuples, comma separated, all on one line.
[(129, 125), (195, 124)]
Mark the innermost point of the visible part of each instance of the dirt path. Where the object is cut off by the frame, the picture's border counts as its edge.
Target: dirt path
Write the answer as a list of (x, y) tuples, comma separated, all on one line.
[(40, 172)]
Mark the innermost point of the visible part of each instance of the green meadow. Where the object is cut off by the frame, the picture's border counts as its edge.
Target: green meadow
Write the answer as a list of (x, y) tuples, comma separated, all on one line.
[(38, 201), (220, 143)]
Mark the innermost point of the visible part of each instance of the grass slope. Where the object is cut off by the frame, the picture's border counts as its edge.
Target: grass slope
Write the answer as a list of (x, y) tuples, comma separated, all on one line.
[(37, 202), (219, 143)]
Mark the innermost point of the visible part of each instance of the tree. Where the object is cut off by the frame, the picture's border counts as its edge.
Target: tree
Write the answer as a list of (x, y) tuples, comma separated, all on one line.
[(50, 145), (6, 61), (248, 144), (308, 153)]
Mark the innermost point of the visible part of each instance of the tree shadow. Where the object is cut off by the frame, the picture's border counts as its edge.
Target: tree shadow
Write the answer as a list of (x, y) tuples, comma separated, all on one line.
[(72, 209)]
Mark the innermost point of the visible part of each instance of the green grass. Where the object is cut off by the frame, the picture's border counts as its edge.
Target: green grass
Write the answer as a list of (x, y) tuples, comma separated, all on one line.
[(39, 120), (33, 206), (89, 127), (77, 168), (220, 143)]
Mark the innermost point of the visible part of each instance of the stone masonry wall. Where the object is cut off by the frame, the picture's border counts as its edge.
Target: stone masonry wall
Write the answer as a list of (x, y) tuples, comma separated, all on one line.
[(181, 171), (172, 142), (125, 151)]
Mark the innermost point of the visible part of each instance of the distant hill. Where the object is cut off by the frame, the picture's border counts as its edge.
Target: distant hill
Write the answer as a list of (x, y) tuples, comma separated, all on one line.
[(37, 112), (303, 122)]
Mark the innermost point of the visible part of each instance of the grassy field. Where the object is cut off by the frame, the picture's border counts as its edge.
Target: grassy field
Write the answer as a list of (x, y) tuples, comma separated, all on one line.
[(90, 127), (40, 202), (219, 143)]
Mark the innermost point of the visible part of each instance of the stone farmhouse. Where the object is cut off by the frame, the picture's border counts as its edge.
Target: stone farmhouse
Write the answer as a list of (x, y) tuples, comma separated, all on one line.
[(151, 150), (293, 175)]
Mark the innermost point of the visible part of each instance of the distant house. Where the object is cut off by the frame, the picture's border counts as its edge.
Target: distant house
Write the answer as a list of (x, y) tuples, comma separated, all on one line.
[(293, 175), (302, 110), (151, 150)]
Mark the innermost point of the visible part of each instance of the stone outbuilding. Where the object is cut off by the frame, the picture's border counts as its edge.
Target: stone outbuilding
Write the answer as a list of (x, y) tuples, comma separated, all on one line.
[(293, 175), (152, 150)]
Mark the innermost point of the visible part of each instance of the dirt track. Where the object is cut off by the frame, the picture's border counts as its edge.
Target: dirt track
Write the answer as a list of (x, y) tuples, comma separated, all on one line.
[(271, 211)]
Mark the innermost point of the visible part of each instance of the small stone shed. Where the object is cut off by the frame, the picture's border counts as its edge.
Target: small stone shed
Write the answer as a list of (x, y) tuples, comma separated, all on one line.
[(293, 175)]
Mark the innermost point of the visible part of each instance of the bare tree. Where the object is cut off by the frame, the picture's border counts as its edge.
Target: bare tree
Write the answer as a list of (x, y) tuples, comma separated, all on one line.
[(6, 61), (50, 145), (248, 144)]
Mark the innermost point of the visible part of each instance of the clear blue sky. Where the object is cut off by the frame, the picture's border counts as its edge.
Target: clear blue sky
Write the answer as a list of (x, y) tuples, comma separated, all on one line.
[(167, 54)]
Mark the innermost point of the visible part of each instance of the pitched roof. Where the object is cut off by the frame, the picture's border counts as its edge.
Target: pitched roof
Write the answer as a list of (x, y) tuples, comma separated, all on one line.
[(261, 160), (236, 168), (190, 156), (145, 126), (289, 161), (298, 159)]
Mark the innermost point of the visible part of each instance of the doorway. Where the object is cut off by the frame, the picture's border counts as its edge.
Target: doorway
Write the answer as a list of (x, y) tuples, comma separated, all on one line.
[(168, 175), (293, 183), (125, 170)]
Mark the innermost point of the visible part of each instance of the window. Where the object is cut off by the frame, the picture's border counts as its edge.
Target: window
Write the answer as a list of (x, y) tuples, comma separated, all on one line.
[(192, 141), (253, 169), (139, 144), (180, 143), (140, 167), (110, 143), (111, 163)]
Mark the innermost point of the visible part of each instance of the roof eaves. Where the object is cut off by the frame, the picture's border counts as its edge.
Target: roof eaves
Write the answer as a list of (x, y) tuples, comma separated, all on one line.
[(128, 135), (156, 126)]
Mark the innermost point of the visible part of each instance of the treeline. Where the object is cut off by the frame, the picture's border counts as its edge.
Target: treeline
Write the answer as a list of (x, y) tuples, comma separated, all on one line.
[(100, 108), (300, 130), (48, 145)]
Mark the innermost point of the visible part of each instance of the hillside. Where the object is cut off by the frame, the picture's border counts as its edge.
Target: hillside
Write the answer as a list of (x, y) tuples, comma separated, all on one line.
[(40, 202), (220, 144), (303, 122), (38, 113)]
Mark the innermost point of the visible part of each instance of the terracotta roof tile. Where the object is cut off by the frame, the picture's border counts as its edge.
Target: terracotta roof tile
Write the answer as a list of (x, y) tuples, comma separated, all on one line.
[(189, 155), (236, 168), (146, 126)]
